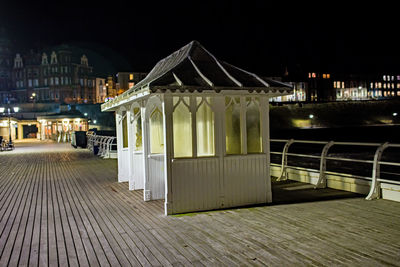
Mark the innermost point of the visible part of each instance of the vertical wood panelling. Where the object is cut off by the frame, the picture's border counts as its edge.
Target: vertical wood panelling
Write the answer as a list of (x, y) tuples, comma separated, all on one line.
[(245, 180), (195, 184), (136, 180), (156, 176), (123, 165)]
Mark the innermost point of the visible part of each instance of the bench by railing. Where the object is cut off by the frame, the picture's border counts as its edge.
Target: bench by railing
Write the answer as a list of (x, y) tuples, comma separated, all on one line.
[(376, 162), (106, 145)]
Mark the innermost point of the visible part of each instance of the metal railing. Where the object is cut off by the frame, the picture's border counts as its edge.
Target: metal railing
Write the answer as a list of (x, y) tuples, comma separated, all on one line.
[(106, 145), (376, 162)]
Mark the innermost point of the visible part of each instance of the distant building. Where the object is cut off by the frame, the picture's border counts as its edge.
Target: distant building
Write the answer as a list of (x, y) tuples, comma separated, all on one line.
[(53, 76), (101, 90), (127, 80), (122, 82), (5, 67)]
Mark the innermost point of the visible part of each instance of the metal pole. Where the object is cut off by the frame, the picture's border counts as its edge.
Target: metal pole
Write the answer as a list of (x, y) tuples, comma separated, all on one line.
[(9, 125)]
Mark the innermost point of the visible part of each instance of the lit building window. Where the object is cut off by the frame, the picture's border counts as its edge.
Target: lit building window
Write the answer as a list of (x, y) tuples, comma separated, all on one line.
[(205, 127), (328, 76), (334, 84), (130, 76), (372, 85), (384, 85), (392, 78), (182, 127), (343, 85), (124, 130), (156, 132), (392, 85), (309, 75), (324, 76), (384, 77), (314, 75), (232, 125), (253, 126), (379, 85)]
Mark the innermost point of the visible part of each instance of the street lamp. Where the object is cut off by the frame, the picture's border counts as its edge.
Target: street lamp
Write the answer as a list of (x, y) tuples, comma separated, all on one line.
[(2, 110)]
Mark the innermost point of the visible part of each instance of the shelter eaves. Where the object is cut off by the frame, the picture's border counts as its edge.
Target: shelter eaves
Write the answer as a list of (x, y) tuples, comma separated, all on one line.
[(193, 68)]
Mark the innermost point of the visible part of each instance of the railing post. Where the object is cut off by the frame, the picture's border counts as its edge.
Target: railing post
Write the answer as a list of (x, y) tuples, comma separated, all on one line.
[(375, 191), (284, 160), (321, 183)]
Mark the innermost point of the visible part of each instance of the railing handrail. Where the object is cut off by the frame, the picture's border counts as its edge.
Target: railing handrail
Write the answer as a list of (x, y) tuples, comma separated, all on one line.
[(375, 179)]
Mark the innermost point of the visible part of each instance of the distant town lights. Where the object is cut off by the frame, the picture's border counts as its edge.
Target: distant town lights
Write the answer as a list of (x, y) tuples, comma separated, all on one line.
[(94, 121), (311, 116), (394, 114)]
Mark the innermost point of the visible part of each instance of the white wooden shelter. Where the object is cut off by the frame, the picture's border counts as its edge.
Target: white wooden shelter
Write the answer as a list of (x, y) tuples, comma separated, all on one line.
[(195, 132)]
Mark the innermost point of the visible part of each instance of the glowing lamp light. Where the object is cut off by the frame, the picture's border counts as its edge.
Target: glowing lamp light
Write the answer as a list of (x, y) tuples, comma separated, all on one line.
[(16, 109), (85, 114), (94, 121), (311, 116), (394, 114), (2, 110)]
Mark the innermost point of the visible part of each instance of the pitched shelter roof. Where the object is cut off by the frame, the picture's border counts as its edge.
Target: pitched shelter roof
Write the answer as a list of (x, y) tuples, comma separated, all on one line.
[(193, 68)]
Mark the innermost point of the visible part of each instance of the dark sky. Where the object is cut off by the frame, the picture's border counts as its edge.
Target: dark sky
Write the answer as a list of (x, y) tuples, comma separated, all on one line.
[(254, 35)]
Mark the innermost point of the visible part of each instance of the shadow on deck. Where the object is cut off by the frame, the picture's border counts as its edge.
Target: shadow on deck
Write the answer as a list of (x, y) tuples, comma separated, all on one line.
[(289, 192)]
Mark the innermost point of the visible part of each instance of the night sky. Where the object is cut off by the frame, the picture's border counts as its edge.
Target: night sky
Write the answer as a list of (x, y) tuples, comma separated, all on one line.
[(255, 35)]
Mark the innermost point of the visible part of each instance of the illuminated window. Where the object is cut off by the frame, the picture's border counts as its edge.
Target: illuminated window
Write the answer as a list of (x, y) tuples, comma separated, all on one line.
[(182, 124), (130, 76), (314, 75), (392, 85), (398, 93), (253, 126), (328, 76), (156, 132), (334, 84), (309, 75), (343, 85), (232, 124), (384, 77), (124, 130), (205, 127), (379, 85), (137, 130), (324, 76), (384, 85), (392, 78), (372, 85)]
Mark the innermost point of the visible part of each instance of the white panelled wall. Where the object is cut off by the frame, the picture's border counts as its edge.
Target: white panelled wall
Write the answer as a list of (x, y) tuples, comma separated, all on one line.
[(196, 181)]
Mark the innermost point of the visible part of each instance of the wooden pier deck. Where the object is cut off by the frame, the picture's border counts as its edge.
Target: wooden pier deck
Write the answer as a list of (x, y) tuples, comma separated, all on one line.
[(61, 206)]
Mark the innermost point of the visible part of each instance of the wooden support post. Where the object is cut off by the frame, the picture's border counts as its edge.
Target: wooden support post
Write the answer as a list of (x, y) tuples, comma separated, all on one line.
[(220, 142), (167, 110), (146, 150), (243, 129), (264, 117)]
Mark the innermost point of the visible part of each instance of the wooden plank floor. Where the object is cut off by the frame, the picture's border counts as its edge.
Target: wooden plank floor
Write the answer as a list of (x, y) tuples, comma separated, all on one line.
[(61, 206)]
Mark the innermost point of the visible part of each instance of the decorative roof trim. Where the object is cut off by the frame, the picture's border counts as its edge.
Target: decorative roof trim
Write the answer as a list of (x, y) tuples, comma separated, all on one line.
[(224, 70), (199, 72)]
